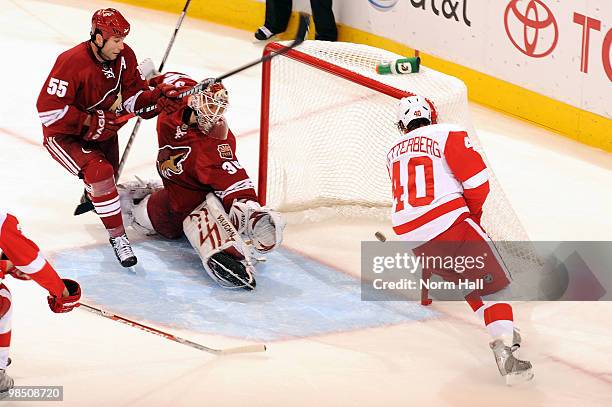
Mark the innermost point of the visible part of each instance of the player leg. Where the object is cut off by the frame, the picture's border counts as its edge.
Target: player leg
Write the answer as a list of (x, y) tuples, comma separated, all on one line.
[(152, 208), (277, 19), (225, 256), (325, 23), (173, 210), (6, 382), (89, 163), (261, 226), (497, 316)]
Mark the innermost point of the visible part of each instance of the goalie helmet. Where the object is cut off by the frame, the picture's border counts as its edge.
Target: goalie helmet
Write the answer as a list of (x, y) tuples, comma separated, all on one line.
[(209, 105), (109, 22), (414, 108)]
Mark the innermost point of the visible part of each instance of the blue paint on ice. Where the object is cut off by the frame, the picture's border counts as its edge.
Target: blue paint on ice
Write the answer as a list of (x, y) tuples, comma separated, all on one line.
[(295, 296)]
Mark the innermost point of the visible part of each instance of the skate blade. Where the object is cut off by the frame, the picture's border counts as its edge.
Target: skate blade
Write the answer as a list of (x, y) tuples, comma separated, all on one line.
[(513, 379)]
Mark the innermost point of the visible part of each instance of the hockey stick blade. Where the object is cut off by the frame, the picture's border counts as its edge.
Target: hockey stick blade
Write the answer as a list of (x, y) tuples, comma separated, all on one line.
[(83, 207), (187, 342), (302, 31), (244, 349)]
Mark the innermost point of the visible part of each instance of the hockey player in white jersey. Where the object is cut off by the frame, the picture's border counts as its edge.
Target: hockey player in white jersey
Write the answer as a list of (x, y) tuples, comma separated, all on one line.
[(440, 184)]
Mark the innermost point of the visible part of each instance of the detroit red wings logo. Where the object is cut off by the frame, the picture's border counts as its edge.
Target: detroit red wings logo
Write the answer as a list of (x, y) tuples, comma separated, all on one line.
[(170, 160)]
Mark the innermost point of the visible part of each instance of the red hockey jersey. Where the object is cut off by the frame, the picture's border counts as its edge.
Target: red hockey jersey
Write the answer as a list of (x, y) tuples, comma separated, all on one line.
[(189, 158), (437, 178), (79, 83), (24, 254)]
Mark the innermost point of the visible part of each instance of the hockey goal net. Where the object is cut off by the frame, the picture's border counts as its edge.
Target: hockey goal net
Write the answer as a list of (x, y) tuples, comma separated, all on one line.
[(327, 122)]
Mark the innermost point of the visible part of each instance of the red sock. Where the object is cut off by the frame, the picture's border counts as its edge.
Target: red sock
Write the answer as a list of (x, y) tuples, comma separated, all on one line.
[(497, 316)]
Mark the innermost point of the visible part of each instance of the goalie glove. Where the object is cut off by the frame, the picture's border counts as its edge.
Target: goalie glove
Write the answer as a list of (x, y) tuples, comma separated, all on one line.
[(68, 303), (261, 225)]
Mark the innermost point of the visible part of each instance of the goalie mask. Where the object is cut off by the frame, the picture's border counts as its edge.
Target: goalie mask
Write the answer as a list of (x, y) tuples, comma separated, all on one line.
[(414, 111), (209, 105)]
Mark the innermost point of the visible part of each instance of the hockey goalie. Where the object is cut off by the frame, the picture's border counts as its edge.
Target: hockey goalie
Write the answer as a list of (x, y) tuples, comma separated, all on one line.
[(206, 194)]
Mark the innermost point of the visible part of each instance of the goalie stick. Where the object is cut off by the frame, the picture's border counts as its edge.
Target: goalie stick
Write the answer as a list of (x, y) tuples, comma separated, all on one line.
[(299, 38), (86, 205), (134, 324)]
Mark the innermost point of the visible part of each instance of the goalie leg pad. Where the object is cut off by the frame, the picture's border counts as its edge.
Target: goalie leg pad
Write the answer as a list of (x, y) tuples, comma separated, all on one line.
[(224, 254)]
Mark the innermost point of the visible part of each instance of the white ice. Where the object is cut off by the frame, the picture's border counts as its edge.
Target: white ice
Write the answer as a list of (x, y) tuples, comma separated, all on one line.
[(559, 188)]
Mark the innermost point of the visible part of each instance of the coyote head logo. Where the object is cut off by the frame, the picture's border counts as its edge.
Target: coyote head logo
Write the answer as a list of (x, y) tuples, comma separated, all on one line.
[(170, 160)]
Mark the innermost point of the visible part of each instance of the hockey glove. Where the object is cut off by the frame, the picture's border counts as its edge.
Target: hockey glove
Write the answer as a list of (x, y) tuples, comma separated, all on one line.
[(66, 304), (102, 126), (166, 98), (8, 269)]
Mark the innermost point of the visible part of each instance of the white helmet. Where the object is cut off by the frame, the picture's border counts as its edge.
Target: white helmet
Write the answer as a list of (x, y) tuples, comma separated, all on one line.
[(209, 105), (413, 108)]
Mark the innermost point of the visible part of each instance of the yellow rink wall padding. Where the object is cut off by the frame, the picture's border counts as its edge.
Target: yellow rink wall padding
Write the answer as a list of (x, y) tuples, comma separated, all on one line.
[(583, 126)]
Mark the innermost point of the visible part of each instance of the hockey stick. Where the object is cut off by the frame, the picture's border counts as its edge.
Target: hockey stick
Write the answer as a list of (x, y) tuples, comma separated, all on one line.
[(299, 38), (134, 324), (86, 205)]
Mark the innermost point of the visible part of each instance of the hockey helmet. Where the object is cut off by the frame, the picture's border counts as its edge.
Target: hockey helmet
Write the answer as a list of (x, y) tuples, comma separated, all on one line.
[(109, 22), (413, 108), (209, 105)]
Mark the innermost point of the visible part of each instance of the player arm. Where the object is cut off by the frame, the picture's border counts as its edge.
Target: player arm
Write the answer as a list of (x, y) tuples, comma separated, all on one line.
[(469, 168), (25, 255), (227, 178), (55, 103), (138, 94)]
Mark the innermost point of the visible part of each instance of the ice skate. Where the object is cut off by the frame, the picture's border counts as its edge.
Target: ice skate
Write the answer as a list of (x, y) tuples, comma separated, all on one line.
[(516, 337), (512, 369), (6, 383), (123, 250)]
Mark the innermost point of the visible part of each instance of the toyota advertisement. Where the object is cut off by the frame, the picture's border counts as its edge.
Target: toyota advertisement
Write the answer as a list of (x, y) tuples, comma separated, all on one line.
[(560, 49)]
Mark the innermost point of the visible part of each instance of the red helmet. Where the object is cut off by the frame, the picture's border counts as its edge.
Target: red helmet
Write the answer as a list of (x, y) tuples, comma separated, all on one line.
[(109, 22)]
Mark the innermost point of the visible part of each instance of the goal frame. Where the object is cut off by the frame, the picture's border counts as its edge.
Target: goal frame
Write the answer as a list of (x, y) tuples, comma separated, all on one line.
[(266, 77)]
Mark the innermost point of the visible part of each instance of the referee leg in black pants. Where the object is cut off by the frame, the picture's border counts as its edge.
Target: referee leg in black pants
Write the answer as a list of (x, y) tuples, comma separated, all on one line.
[(279, 11)]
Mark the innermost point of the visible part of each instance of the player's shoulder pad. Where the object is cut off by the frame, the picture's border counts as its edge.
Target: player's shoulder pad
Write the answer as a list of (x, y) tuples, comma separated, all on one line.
[(441, 131), (75, 56)]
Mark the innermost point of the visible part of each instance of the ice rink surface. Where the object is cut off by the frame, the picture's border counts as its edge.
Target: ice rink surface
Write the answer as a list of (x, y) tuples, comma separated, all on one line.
[(325, 346)]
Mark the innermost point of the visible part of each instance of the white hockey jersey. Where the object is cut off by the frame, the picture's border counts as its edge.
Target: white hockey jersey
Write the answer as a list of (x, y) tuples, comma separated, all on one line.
[(437, 178)]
